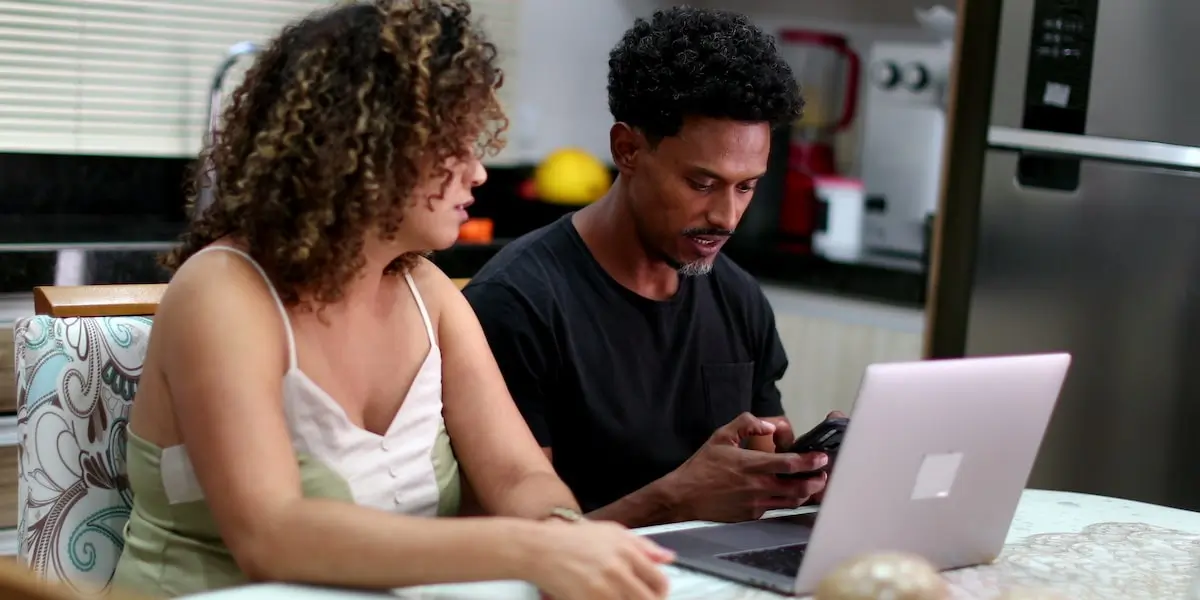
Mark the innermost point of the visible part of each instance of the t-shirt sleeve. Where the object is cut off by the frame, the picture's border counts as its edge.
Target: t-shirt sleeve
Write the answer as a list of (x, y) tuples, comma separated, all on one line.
[(770, 364), (523, 346)]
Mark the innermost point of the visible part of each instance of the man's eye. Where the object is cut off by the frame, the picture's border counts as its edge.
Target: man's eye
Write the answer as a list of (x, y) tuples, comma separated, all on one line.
[(700, 187), (746, 188)]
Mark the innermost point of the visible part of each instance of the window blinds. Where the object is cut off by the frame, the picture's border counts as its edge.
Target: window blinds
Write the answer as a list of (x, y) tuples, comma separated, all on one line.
[(131, 77)]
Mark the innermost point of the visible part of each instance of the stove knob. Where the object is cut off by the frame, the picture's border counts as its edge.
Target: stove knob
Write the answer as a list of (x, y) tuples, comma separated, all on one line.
[(886, 75), (916, 77)]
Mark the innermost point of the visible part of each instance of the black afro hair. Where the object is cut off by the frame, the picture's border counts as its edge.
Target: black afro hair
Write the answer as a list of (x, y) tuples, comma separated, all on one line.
[(690, 62)]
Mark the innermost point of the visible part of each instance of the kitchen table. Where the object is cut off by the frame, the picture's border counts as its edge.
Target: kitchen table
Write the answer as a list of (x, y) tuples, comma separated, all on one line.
[(1083, 547)]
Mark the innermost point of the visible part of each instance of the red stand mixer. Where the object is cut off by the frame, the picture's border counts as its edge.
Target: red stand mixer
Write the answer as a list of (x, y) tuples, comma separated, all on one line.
[(828, 72)]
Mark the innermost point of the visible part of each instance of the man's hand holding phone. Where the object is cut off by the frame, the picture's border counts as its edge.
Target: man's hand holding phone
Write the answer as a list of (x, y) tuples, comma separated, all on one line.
[(727, 483), (824, 439)]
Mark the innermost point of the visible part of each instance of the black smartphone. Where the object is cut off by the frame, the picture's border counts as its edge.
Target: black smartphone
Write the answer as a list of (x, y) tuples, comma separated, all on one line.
[(826, 438)]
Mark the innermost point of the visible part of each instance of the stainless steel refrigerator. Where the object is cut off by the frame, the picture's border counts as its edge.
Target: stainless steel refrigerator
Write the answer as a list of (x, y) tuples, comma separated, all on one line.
[(1089, 235)]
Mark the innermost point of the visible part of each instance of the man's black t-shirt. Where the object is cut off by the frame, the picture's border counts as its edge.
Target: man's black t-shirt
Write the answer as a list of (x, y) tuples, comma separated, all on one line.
[(623, 389)]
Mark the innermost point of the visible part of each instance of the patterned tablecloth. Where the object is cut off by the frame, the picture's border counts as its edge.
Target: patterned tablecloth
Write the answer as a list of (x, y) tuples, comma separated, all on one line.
[(1083, 547)]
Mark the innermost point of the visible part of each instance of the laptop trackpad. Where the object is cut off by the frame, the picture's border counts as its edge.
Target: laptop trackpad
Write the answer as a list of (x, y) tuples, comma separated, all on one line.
[(781, 560), (751, 535), (765, 533)]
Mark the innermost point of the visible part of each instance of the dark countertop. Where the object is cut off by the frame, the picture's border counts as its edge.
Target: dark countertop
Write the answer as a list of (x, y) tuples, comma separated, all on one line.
[(803, 272), (22, 268), (815, 274), (114, 214), (29, 232), (124, 250)]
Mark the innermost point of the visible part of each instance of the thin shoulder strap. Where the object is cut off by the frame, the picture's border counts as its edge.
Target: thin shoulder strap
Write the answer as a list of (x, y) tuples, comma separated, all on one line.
[(287, 322), (412, 285)]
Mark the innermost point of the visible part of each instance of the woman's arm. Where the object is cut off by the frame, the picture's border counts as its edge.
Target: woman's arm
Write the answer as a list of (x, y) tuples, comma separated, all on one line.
[(507, 470), (221, 347)]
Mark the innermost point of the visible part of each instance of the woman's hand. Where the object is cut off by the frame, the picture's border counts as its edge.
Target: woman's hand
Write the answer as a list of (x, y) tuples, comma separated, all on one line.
[(592, 560)]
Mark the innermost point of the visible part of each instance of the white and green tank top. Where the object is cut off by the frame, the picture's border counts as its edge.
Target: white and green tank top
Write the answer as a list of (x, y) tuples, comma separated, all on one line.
[(172, 546)]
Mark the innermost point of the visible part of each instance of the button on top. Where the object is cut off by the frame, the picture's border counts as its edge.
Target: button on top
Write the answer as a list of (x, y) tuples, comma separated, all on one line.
[(384, 444)]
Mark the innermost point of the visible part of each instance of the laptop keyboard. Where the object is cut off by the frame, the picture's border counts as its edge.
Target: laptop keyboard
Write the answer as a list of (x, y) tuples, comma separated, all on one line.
[(783, 560)]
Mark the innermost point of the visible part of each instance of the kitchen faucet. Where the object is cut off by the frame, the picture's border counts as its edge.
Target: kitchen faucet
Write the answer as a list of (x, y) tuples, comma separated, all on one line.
[(235, 53)]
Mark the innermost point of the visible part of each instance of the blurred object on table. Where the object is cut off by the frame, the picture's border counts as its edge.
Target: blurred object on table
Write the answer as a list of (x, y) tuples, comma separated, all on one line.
[(476, 231), (897, 576), (1031, 594)]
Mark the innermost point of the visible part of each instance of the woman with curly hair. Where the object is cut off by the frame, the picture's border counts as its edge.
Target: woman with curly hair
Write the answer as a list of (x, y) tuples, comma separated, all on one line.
[(314, 388)]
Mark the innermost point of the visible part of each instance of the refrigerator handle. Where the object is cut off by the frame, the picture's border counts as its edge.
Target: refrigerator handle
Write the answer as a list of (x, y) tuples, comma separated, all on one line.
[(1084, 147)]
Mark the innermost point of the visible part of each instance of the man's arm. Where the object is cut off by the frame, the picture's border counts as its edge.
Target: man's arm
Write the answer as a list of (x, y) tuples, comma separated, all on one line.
[(653, 504), (769, 367), (506, 473), (523, 348), (720, 482)]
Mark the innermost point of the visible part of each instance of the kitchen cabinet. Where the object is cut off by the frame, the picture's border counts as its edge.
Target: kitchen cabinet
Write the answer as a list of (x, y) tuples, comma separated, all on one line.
[(830, 340)]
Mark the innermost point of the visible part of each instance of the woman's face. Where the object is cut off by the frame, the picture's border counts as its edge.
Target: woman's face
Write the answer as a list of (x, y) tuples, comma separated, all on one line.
[(434, 218)]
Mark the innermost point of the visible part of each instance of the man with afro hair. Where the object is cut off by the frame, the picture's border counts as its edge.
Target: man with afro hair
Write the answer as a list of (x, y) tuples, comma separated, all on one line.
[(644, 361)]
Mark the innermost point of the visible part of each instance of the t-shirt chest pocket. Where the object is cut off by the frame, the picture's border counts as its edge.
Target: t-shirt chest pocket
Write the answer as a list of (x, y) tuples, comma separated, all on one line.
[(728, 388)]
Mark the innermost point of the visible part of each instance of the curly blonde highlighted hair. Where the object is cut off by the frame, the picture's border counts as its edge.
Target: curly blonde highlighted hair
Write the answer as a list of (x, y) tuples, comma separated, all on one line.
[(340, 118)]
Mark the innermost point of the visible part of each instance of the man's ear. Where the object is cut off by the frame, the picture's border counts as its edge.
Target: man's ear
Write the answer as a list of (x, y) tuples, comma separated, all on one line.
[(625, 143)]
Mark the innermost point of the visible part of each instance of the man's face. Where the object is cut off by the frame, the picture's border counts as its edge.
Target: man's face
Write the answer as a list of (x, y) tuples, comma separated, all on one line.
[(689, 192)]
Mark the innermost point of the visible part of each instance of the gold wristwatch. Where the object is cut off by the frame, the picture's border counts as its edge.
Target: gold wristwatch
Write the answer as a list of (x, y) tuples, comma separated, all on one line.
[(569, 515)]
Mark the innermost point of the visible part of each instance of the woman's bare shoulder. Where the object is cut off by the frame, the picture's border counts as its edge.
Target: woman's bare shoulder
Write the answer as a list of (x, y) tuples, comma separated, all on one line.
[(219, 274), (428, 276), (442, 296), (219, 291)]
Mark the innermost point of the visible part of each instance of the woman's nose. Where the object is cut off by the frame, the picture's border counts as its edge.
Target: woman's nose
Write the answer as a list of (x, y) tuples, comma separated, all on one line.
[(478, 173)]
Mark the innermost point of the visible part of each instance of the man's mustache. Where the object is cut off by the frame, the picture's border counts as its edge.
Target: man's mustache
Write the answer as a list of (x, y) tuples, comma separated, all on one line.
[(695, 231)]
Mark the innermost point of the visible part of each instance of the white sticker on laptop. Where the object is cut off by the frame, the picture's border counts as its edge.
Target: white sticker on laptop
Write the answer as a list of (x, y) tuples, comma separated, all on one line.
[(1056, 94), (935, 478)]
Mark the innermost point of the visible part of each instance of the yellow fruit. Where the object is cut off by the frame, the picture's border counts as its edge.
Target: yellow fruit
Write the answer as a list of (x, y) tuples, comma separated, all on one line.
[(571, 176)]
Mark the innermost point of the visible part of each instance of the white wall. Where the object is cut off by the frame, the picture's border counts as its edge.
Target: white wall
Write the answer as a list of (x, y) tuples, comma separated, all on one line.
[(563, 57), (562, 73)]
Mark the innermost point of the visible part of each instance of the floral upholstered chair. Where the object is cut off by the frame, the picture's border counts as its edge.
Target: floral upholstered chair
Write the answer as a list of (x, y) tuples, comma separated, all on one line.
[(78, 362)]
